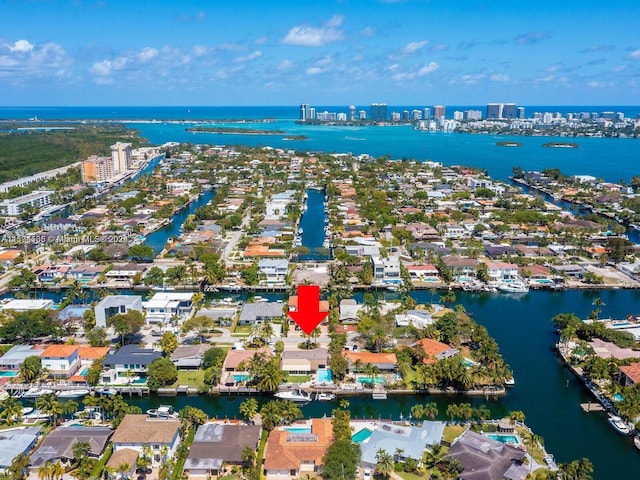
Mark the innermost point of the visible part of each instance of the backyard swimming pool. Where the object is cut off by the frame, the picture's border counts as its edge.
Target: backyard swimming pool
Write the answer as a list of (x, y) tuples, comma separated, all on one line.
[(361, 435), (298, 429), (323, 375), (8, 373), (508, 439)]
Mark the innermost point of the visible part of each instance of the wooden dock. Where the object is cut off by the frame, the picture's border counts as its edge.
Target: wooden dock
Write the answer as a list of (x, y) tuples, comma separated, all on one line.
[(592, 407)]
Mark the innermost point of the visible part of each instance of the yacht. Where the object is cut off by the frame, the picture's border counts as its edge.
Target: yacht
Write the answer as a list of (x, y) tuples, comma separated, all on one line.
[(107, 391), (36, 392), (163, 411), (513, 287), (325, 397), (619, 424), (509, 381), (294, 396), (73, 393)]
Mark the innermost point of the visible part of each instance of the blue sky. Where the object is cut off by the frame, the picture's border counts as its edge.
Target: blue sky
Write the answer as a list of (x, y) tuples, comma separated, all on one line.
[(323, 52)]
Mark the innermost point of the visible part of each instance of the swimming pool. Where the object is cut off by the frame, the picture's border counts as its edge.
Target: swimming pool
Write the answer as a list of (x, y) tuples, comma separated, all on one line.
[(508, 439), (617, 397), (361, 435), (240, 377), (368, 380), (544, 281), (8, 373), (84, 372), (298, 429), (323, 375)]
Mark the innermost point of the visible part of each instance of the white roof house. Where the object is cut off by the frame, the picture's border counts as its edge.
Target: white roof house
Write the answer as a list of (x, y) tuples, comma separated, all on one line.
[(22, 305)]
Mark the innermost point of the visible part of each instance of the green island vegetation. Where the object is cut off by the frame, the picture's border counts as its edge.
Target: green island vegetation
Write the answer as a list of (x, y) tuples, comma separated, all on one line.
[(27, 152), (560, 145), (296, 137), (509, 144), (235, 130)]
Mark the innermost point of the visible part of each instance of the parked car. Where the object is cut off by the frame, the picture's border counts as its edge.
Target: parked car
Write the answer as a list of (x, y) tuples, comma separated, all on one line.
[(367, 474)]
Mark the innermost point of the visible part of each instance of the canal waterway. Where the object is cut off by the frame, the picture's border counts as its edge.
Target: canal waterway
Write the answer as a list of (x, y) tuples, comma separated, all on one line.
[(158, 239), (313, 224)]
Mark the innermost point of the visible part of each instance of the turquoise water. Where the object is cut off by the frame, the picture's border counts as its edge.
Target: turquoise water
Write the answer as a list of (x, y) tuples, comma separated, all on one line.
[(324, 375), (512, 439), (8, 373), (361, 435), (544, 281), (368, 380), (617, 397), (84, 372), (298, 429), (240, 377)]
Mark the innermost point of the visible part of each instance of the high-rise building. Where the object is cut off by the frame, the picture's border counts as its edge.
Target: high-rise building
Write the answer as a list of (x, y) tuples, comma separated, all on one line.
[(427, 113), (121, 155), (472, 115), (97, 169), (494, 111), (405, 115), (509, 111), (341, 117), (416, 114), (395, 116), (439, 111), (362, 114), (378, 112), (352, 112), (458, 115), (521, 113), (305, 112)]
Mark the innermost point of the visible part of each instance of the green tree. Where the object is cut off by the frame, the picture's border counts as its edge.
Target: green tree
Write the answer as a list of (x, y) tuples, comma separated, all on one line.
[(30, 368), (384, 464), (213, 357), (94, 372), (168, 343), (11, 410), (125, 323), (249, 408), (200, 324), (50, 405), (161, 372), (18, 467), (341, 460), (97, 337)]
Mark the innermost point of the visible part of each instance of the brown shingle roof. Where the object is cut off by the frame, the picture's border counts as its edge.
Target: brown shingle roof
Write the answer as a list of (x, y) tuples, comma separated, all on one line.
[(126, 456), (140, 429)]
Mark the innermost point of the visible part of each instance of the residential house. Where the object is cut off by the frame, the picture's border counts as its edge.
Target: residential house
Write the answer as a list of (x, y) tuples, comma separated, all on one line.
[(485, 459), (385, 362), (58, 444), (290, 455), (60, 225), (462, 268), (124, 456), (14, 357), (116, 304), (629, 375), (349, 310), (411, 441), (8, 256), (235, 358), (537, 272), (165, 306), (136, 431), (304, 362), (434, 350), (502, 271), (217, 444), (125, 274), (416, 318), (15, 441), (258, 312), (423, 273), (128, 360), (274, 270), (87, 356), (62, 361), (189, 357), (386, 270)]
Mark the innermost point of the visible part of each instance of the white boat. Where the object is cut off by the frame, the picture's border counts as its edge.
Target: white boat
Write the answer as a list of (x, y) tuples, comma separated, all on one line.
[(27, 410), (294, 396), (325, 397), (636, 441), (300, 231), (381, 395), (513, 287), (107, 391), (37, 415), (163, 411), (619, 424), (36, 392), (73, 393), (4, 395), (509, 382)]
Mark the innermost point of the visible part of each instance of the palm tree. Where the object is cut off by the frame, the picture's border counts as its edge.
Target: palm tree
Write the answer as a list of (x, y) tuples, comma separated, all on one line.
[(11, 410), (435, 455), (69, 407), (431, 410), (45, 472), (49, 404), (58, 470), (385, 464), (249, 408)]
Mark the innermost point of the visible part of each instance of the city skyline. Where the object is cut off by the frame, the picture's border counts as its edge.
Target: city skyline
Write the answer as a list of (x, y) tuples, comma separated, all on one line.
[(331, 52)]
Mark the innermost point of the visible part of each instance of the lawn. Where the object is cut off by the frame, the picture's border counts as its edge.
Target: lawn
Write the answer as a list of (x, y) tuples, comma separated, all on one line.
[(298, 378), (193, 378), (243, 330), (451, 432), (410, 476)]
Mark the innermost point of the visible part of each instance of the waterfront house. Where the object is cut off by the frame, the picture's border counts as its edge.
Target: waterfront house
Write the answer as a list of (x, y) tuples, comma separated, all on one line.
[(258, 312), (290, 455), (483, 458), (189, 357), (87, 356), (434, 350), (217, 446), (393, 438), (122, 275), (386, 270), (165, 306), (629, 375), (416, 318), (129, 359), (385, 362), (161, 434), (235, 359), (14, 357), (115, 304), (62, 361), (349, 309), (502, 271), (293, 304), (304, 362), (461, 267), (58, 444), (423, 273), (274, 270), (59, 225), (15, 441), (124, 456)]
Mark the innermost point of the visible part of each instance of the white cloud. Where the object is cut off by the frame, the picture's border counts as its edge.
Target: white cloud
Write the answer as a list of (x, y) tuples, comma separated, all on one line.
[(261, 40), (314, 70), (284, 65), (147, 54), (248, 58), (620, 68), (21, 46), (440, 47), (368, 32), (635, 55), (428, 68), (500, 77), (472, 79), (595, 84), (413, 47), (307, 36)]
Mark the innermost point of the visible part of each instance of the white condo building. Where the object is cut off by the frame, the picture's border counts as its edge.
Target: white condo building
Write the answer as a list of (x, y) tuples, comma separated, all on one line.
[(121, 156)]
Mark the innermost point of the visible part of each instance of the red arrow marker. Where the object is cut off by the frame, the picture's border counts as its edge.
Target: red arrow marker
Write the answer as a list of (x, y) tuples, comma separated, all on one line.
[(308, 315)]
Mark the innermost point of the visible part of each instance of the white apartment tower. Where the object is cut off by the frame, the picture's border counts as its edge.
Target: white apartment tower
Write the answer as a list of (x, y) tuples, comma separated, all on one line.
[(121, 155)]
